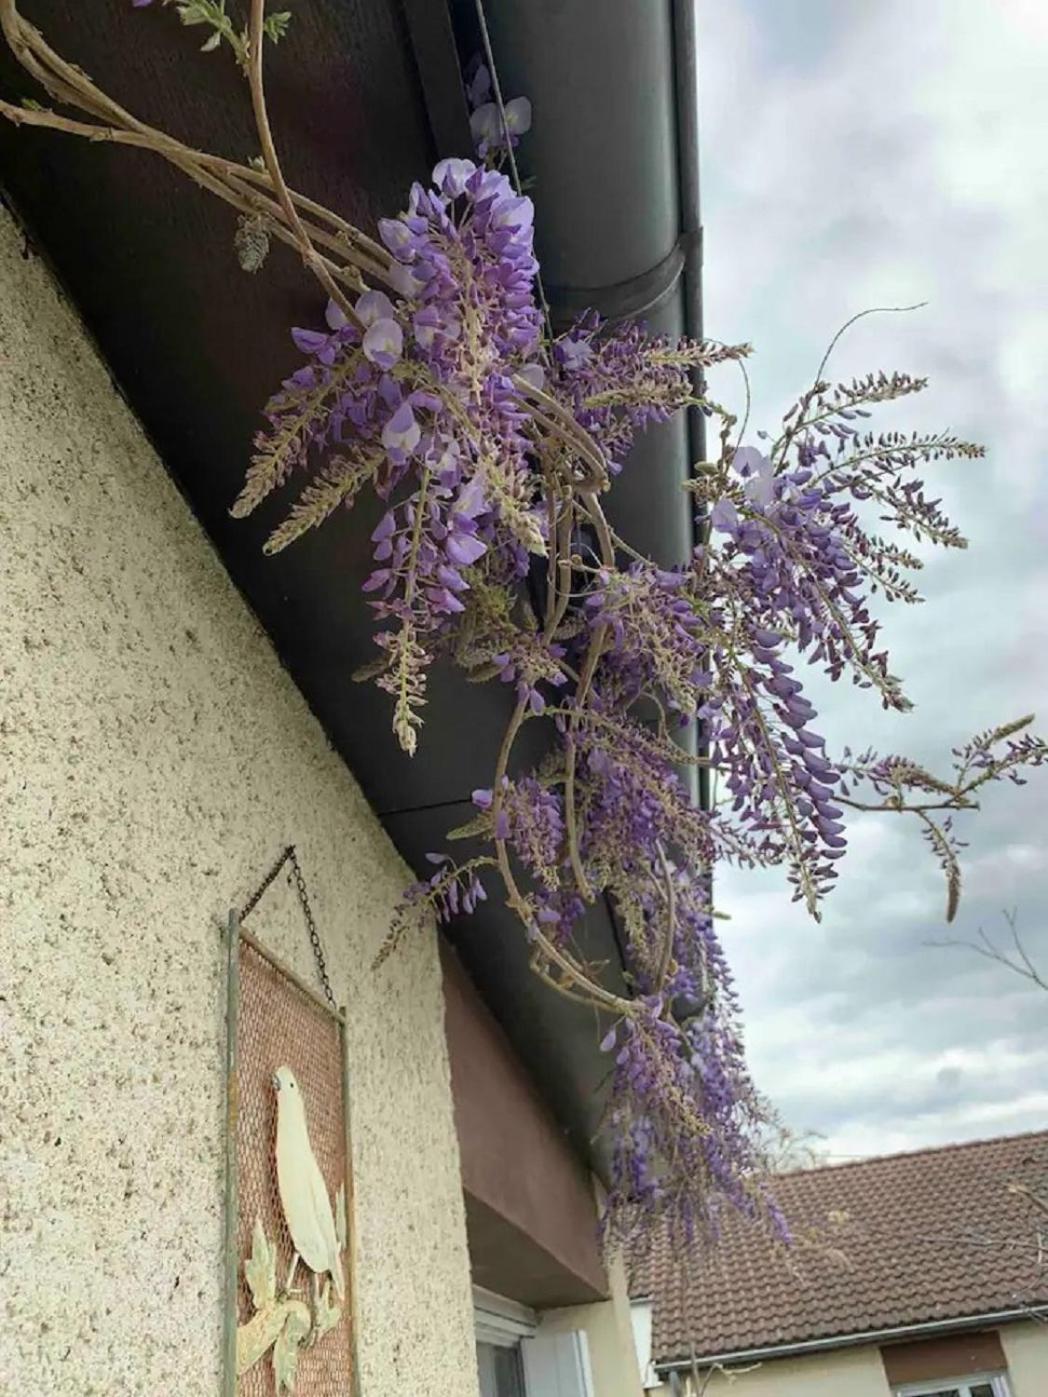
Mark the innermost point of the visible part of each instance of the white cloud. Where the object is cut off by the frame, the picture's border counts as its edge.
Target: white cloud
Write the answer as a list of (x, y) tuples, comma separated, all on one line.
[(860, 1139), (858, 154)]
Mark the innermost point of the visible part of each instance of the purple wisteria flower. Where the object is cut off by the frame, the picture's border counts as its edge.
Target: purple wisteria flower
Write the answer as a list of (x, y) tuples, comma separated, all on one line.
[(621, 380), (486, 125), (489, 446), (758, 471), (401, 434), (478, 86), (489, 135), (410, 387)]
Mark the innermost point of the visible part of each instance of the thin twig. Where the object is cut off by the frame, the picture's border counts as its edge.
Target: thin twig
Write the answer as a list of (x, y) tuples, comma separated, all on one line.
[(989, 950), (666, 959), (256, 49), (234, 183), (870, 310), (496, 85)]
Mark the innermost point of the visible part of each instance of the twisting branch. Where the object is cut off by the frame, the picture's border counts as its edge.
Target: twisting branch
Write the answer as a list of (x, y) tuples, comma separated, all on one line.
[(235, 184), (255, 57), (1019, 961), (491, 442), (669, 934)]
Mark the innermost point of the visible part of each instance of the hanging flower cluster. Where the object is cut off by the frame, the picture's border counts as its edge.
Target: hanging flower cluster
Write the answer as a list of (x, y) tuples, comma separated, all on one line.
[(423, 401), (436, 383), (492, 445)]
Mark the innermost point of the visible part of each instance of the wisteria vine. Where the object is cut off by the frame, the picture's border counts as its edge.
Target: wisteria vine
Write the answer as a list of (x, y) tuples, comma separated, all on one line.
[(436, 384)]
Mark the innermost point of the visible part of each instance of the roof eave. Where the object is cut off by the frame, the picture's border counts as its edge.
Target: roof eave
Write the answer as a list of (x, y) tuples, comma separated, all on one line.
[(927, 1329)]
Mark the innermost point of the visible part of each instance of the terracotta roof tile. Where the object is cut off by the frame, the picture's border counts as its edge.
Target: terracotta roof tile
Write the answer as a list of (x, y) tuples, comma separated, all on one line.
[(931, 1235)]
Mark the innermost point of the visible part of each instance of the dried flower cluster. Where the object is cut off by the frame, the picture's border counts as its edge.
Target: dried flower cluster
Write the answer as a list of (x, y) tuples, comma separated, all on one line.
[(436, 384)]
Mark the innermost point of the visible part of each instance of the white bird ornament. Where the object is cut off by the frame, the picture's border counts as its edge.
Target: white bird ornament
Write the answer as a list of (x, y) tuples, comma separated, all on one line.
[(303, 1193)]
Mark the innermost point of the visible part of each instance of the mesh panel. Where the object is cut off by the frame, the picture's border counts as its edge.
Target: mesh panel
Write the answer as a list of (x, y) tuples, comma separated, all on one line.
[(279, 1025)]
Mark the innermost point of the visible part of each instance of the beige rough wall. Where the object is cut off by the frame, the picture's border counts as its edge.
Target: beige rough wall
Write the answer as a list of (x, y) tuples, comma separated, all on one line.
[(1026, 1349), (846, 1372), (154, 758), (613, 1354)]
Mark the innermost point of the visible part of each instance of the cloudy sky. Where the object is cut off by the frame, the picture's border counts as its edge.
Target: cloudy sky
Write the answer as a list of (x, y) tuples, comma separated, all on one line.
[(879, 152)]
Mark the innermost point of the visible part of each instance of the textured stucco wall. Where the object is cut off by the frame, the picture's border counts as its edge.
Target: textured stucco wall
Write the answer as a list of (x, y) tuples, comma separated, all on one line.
[(609, 1331), (1026, 1349), (154, 758)]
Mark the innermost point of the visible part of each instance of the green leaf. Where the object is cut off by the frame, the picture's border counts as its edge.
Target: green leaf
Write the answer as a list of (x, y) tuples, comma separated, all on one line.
[(479, 825), (276, 25), (209, 45), (285, 1364), (482, 674), (325, 1315), (260, 1269), (285, 1351)]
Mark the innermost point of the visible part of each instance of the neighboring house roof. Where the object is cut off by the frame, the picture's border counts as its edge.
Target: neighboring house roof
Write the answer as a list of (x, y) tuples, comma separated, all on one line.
[(904, 1240)]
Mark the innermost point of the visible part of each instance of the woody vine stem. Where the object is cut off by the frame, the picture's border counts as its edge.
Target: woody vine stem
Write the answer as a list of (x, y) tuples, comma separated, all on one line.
[(437, 385)]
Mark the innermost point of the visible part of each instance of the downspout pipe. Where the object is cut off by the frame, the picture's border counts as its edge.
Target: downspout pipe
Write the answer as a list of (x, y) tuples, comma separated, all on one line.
[(613, 160), (685, 53)]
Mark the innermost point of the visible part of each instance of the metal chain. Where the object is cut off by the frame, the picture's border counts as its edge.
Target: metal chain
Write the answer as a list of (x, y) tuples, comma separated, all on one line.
[(290, 856)]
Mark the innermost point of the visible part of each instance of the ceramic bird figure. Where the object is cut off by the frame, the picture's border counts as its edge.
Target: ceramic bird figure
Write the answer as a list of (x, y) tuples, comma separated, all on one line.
[(303, 1193)]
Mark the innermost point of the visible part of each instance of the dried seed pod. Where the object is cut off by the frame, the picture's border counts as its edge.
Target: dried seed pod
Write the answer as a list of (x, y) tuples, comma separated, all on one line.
[(251, 241)]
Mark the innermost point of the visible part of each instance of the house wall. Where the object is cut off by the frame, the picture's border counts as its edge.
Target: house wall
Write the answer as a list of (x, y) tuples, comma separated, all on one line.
[(850, 1372), (1026, 1349), (530, 1211), (154, 759), (609, 1332), (860, 1372)]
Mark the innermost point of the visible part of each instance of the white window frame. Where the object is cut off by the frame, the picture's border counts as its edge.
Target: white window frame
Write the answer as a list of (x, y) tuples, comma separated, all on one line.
[(641, 1318), (998, 1383), (499, 1321), (557, 1364)]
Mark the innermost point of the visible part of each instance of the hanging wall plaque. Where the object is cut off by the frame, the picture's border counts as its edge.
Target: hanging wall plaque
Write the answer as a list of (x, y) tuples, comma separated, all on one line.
[(288, 1324)]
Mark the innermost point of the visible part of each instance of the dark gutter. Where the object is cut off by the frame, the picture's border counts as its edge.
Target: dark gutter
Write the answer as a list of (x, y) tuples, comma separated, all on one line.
[(612, 164), (685, 53), (613, 157), (636, 298)]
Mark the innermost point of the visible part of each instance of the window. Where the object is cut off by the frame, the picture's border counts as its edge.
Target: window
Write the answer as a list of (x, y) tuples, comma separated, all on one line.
[(500, 1325), (516, 1357), (500, 1370), (977, 1385)]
